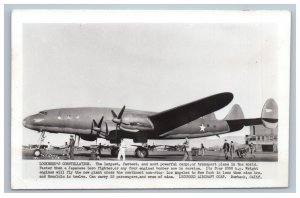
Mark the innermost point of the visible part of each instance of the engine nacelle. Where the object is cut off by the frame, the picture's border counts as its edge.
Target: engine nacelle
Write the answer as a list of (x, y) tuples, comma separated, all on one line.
[(88, 137)]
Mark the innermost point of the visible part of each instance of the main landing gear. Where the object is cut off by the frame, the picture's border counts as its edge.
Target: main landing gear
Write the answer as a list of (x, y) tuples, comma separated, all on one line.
[(114, 151), (141, 152)]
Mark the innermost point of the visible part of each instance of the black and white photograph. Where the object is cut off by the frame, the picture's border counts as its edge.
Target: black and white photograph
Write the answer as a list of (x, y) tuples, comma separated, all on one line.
[(175, 96)]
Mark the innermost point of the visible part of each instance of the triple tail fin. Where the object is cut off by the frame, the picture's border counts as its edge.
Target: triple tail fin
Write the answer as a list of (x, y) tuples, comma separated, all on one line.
[(235, 118), (235, 113), (269, 114), (269, 117)]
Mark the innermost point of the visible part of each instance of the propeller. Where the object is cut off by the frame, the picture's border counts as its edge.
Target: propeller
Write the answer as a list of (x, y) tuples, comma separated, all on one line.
[(106, 131), (117, 119), (97, 126)]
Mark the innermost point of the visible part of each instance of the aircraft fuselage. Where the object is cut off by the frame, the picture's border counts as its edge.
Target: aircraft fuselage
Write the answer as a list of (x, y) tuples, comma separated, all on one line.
[(78, 121)]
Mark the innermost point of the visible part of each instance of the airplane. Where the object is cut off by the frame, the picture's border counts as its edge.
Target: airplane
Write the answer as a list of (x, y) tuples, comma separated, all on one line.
[(179, 147), (192, 120), (147, 146), (97, 147), (88, 148), (59, 147)]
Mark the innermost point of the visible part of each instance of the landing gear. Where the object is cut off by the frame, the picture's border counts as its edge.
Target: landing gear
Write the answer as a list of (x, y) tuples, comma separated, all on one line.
[(141, 152), (42, 138), (114, 151), (37, 153)]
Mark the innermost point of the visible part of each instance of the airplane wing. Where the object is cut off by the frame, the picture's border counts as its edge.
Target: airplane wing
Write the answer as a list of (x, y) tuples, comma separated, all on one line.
[(175, 117)]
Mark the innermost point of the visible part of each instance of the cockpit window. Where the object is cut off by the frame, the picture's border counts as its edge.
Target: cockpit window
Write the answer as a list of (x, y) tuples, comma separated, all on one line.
[(43, 113)]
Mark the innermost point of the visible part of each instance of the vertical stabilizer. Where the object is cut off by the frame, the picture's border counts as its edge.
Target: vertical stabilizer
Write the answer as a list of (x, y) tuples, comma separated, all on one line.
[(235, 113), (210, 116), (269, 114)]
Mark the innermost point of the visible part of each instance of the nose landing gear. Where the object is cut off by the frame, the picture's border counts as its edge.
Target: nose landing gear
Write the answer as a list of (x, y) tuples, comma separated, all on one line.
[(37, 152)]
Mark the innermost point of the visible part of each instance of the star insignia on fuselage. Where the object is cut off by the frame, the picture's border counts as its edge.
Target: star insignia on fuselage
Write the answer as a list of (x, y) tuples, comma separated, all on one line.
[(202, 127)]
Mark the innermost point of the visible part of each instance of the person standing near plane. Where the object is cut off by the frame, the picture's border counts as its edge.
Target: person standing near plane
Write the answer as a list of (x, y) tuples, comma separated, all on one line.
[(122, 149), (232, 149), (202, 149), (188, 150), (71, 147), (99, 149), (48, 148), (226, 148), (66, 149), (252, 148)]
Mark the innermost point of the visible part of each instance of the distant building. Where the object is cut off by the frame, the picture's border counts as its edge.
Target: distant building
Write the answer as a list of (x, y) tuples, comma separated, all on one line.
[(264, 138)]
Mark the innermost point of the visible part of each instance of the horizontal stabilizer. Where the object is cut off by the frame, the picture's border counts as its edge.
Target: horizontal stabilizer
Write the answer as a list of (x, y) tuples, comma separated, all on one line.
[(178, 116)]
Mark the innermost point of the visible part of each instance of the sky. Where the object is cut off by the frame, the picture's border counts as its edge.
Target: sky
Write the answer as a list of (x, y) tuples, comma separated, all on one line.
[(150, 67)]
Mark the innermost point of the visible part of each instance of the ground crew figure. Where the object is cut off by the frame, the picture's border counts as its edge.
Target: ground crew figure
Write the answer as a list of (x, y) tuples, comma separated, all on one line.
[(93, 155), (66, 149), (232, 149), (71, 147), (99, 149), (226, 149), (122, 150), (48, 148), (187, 150), (202, 149), (252, 148)]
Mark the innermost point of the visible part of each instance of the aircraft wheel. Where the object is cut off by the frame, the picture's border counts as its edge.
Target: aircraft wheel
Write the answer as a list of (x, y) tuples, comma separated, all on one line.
[(114, 152), (37, 153), (141, 152)]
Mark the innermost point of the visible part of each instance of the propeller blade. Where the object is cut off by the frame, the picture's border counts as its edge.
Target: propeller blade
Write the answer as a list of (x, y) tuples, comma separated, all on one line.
[(106, 129), (95, 123), (121, 112), (114, 114), (92, 127), (100, 123)]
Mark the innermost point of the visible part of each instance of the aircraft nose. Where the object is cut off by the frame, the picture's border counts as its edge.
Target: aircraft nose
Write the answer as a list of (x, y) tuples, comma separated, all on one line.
[(29, 121), (26, 121), (34, 121)]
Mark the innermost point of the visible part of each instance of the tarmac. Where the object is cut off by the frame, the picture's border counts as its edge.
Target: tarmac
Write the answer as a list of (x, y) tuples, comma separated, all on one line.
[(153, 156)]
